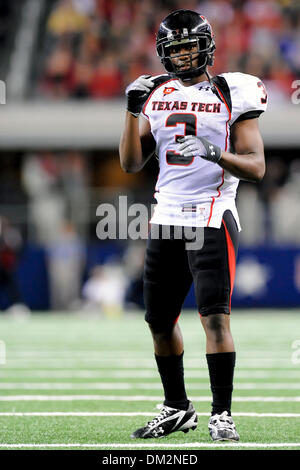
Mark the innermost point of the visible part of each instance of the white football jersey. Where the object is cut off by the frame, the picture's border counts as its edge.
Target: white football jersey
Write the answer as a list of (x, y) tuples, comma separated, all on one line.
[(194, 191)]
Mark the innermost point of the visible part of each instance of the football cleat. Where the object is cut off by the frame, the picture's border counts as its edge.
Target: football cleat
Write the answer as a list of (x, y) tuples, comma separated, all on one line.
[(169, 420), (221, 428)]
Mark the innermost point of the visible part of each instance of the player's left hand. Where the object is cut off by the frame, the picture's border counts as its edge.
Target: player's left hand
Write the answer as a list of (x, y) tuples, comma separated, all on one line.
[(196, 146)]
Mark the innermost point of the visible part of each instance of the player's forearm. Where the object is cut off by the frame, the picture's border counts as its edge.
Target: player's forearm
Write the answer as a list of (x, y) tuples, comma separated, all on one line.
[(250, 167), (130, 148)]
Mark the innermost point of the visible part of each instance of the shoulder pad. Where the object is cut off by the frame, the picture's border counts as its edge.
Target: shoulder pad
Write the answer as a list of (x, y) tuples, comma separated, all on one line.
[(222, 86), (158, 80), (248, 95)]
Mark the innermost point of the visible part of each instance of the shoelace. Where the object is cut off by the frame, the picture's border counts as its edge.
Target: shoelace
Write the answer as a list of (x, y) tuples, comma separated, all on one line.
[(162, 415), (219, 420)]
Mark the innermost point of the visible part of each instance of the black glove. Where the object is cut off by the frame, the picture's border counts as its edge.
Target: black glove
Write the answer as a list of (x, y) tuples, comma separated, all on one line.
[(137, 93)]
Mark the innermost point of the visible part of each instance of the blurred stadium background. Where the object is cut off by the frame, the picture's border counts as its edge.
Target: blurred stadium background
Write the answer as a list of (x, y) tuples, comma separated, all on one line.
[(66, 64)]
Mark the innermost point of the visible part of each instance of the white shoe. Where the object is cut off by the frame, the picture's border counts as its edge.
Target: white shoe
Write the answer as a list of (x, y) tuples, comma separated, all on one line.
[(221, 428)]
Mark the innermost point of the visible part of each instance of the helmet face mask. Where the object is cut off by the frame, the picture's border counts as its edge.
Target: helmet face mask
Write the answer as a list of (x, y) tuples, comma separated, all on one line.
[(182, 29)]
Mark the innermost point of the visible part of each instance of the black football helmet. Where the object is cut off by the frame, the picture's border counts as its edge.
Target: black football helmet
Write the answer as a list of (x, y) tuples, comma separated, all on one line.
[(182, 27)]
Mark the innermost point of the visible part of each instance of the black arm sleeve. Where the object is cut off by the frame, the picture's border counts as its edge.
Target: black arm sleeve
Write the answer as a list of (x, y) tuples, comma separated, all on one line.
[(249, 115)]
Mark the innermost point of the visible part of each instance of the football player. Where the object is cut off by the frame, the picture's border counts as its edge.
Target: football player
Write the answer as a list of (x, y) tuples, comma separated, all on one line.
[(204, 131)]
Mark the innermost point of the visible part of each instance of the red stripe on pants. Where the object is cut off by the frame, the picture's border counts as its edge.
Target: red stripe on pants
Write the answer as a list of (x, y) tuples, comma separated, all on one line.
[(231, 260)]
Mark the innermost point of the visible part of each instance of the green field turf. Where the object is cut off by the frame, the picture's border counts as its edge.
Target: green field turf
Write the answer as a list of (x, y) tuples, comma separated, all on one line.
[(92, 381)]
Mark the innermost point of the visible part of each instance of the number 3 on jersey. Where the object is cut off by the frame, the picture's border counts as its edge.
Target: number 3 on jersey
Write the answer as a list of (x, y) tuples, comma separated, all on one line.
[(190, 121), (264, 92)]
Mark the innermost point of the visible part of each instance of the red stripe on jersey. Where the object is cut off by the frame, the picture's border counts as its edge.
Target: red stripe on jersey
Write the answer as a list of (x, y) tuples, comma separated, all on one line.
[(156, 190), (226, 147), (176, 319), (211, 209), (144, 107), (213, 198), (231, 260), (229, 113)]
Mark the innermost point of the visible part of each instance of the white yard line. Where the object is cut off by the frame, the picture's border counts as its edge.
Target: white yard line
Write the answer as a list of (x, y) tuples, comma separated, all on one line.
[(135, 364), (136, 385), (115, 355), (158, 446), (138, 362), (138, 413), (141, 374), (135, 398)]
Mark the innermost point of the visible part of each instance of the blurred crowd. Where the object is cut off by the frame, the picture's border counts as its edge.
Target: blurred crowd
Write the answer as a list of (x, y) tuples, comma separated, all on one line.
[(11, 245), (47, 201), (54, 196), (94, 48), (53, 208)]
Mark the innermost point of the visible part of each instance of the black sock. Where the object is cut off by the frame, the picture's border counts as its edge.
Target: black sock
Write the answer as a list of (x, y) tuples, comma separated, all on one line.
[(221, 368), (172, 377)]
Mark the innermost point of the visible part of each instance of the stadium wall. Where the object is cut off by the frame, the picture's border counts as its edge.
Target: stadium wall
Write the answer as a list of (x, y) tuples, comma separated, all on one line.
[(97, 125), (268, 276)]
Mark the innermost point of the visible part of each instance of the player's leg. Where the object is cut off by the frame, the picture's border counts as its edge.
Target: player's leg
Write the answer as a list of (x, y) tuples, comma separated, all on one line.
[(218, 334), (213, 270), (168, 352), (220, 356), (167, 342), (167, 280)]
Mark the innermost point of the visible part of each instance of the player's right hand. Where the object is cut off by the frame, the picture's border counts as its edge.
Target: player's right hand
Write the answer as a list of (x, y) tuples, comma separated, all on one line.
[(137, 93)]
